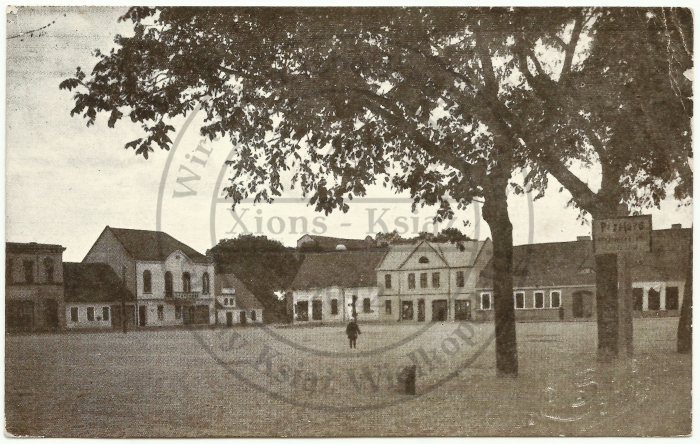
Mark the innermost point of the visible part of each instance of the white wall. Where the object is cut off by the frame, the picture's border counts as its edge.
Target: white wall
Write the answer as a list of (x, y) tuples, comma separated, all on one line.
[(177, 263), (82, 316)]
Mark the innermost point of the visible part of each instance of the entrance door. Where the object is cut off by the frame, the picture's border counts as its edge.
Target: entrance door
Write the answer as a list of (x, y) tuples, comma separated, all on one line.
[(229, 318), (142, 315), (463, 310), (638, 299), (116, 316), (406, 310), (201, 314), (51, 314), (302, 311), (316, 310), (577, 305), (440, 310), (243, 319), (421, 310)]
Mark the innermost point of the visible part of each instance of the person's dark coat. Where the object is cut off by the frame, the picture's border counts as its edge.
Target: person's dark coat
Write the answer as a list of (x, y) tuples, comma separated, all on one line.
[(352, 330)]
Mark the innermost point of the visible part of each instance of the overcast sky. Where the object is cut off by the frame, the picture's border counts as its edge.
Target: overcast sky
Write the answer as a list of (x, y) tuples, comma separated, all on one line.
[(65, 182)]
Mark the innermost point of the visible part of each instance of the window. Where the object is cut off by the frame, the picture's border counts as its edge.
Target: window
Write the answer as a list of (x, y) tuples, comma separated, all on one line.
[(74, 314), (411, 280), (91, 313), (253, 315), (316, 310), (105, 313), (146, 281), (168, 284), (48, 266), (460, 279), (160, 312), (186, 282), (519, 299), (28, 272), (654, 300), (463, 310), (205, 283), (178, 312), (436, 280), (539, 299), (387, 307), (672, 298), (387, 281), (424, 280), (555, 299), (302, 310), (486, 301), (334, 306), (421, 310), (423, 260), (366, 307), (637, 299)]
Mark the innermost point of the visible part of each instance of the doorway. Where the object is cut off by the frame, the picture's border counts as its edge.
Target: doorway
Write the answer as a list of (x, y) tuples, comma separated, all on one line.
[(406, 310), (51, 314), (421, 310), (316, 310), (229, 319), (142, 315), (463, 310), (440, 310), (581, 304), (243, 318)]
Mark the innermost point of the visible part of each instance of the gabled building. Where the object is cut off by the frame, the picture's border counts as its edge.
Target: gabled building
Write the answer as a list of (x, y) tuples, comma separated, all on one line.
[(235, 303), (33, 286), (555, 281), (95, 297), (329, 287), (173, 283), (430, 281)]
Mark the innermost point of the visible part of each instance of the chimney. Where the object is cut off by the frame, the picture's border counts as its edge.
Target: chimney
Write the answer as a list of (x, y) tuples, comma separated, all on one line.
[(676, 226), (583, 238)]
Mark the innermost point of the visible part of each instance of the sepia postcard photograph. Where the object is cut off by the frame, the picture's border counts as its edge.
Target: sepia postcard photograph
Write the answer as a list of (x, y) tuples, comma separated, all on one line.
[(348, 221)]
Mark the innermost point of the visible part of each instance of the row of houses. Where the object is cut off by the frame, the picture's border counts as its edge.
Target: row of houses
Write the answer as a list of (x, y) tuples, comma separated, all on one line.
[(138, 277), (438, 282)]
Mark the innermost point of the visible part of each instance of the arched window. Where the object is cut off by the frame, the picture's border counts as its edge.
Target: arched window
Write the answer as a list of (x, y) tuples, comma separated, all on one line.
[(168, 284), (205, 283), (186, 282), (423, 260), (146, 281)]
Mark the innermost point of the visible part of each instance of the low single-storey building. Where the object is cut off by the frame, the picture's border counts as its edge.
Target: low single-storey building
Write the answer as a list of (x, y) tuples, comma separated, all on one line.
[(95, 297), (334, 286)]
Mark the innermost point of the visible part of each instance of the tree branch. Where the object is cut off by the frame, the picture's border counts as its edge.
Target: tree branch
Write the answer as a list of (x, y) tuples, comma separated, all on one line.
[(571, 47)]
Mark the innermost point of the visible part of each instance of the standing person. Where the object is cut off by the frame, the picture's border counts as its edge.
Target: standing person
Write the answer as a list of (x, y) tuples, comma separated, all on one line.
[(353, 330)]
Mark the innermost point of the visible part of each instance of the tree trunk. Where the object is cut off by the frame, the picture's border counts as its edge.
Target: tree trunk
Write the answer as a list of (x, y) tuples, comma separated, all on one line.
[(684, 342), (495, 213)]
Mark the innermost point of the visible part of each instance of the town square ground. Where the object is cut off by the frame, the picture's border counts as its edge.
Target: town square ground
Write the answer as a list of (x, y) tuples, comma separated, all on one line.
[(306, 381)]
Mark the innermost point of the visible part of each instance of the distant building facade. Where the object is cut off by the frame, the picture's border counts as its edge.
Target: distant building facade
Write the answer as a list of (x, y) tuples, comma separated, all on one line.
[(235, 304), (33, 287), (430, 281), (95, 297), (315, 243), (173, 283), (332, 286)]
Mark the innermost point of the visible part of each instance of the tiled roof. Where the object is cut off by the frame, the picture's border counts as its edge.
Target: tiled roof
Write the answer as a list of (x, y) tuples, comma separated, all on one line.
[(450, 253), (570, 263), (341, 268), (93, 282), (330, 243), (145, 245), (32, 247), (245, 299)]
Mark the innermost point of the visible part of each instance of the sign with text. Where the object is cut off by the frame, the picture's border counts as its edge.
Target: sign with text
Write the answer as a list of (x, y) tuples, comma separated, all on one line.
[(622, 234)]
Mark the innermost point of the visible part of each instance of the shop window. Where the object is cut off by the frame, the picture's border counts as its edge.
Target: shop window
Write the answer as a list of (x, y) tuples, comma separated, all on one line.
[(411, 280), (334, 306), (387, 281), (387, 307), (672, 298), (519, 299), (486, 301), (539, 299), (366, 307), (105, 313), (555, 299), (91, 313), (436, 280), (74, 314), (460, 279)]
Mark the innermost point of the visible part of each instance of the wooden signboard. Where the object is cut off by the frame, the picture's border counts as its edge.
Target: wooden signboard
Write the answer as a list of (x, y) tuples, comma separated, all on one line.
[(622, 234)]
